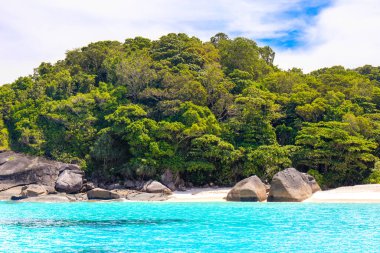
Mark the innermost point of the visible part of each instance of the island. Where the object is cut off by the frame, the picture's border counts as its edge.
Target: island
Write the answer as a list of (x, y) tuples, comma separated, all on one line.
[(180, 119)]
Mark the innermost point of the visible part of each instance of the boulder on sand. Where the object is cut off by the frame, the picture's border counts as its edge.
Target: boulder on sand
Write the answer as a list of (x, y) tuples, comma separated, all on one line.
[(289, 186), (310, 180), (99, 193), (33, 190), (172, 181), (70, 181), (129, 184), (144, 196), (88, 186), (17, 169), (156, 187), (249, 189), (167, 179)]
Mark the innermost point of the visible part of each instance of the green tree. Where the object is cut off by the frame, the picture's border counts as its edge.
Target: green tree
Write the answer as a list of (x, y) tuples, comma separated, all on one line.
[(250, 125), (243, 54), (267, 160), (214, 112), (4, 135), (328, 147)]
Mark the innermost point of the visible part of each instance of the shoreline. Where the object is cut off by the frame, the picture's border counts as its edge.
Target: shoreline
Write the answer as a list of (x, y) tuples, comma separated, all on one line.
[(346, 194), (200, 195), (368, 193)]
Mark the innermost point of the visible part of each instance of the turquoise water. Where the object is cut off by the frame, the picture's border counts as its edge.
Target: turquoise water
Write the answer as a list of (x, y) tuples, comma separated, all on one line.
[(189, 227)]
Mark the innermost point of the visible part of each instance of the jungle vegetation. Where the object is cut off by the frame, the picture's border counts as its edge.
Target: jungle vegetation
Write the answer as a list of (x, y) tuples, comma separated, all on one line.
[(215, 111)]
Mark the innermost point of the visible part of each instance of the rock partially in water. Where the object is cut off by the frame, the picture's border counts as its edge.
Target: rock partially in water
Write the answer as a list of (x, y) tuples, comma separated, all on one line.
[(249, 189), (70, 181), (99, 193), (289, 186)]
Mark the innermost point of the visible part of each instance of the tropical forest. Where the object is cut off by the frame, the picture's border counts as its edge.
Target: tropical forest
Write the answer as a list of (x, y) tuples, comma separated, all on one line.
[(214, 112)]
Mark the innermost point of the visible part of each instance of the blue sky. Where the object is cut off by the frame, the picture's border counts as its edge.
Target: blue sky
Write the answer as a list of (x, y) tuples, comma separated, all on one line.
[(306, 13), (308, 34)]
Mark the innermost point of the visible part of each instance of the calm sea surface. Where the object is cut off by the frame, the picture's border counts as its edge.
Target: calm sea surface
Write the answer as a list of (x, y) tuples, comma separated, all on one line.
[(189, 227)]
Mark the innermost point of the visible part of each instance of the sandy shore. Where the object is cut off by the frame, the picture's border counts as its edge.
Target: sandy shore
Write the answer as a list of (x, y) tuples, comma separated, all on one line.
[(369, 193), (200, 195), (350, 194)]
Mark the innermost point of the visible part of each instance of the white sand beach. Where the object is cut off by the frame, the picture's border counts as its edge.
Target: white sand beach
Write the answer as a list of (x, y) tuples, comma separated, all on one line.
[(349, 194), (369, 193), (200, 195)]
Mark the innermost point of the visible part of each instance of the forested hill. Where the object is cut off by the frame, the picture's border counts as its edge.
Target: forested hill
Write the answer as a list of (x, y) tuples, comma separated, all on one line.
[(213, 111)]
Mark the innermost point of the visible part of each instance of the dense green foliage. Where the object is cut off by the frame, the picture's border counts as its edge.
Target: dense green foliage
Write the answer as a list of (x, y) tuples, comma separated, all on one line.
[(212, 111)]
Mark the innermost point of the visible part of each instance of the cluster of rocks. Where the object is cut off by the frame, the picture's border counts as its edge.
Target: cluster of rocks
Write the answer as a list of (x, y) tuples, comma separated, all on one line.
[(288, 185), (28, 178)]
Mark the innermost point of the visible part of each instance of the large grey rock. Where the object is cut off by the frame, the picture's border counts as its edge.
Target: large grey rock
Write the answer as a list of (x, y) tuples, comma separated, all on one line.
[(156, 187), (88, 186), (129, 184), (115, 186), (289, 186), (249, 189), (70, 181), (172, 180), (99, 193), (167, 179), (310, 180), (33, 190), (18, 169), (50, 189)]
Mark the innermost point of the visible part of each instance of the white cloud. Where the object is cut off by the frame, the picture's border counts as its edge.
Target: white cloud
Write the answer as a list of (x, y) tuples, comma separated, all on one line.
[(43, 30), (344, 34)]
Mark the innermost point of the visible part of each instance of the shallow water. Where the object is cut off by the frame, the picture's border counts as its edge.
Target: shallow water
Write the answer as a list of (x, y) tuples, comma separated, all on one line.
[(189, 227)]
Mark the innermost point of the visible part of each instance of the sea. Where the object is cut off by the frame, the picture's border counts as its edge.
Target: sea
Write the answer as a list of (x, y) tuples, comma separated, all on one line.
[(189, 227)]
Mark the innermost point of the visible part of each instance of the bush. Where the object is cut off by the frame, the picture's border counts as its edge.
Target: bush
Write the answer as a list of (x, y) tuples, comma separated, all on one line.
[(374, 177)]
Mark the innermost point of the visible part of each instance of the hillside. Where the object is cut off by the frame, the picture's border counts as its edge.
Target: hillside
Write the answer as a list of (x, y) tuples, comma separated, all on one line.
[(214, 112)]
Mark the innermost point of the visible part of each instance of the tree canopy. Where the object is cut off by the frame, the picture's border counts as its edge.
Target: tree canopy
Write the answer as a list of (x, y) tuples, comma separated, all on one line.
[(214, 112)]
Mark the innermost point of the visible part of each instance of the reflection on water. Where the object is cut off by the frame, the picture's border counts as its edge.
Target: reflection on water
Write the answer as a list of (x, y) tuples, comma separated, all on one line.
[(40, 223)]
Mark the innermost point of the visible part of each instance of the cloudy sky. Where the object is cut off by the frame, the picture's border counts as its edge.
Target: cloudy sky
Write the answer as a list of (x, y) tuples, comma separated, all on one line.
[(308, 34)]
